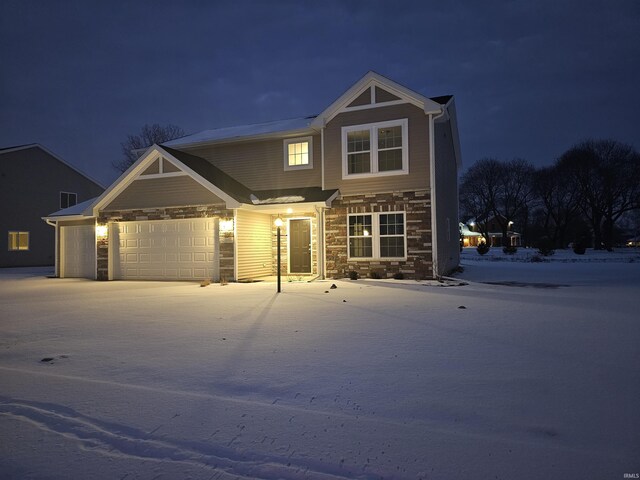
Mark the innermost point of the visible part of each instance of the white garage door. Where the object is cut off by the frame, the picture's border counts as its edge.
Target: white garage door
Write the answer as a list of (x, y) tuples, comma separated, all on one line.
[(78, 251), (165, 250)]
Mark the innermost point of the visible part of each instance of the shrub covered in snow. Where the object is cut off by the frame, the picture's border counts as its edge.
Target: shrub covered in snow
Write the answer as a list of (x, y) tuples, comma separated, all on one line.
[(483, 248), (353, 275), (509, 249), (545, 247)]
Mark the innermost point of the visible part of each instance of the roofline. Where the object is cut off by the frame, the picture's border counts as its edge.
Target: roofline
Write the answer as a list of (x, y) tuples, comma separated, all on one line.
[(37, 145), (238, 139), (76, 216), (373, 78)]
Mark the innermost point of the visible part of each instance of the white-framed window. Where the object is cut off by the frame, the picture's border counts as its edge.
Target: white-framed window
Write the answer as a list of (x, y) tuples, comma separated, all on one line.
[(380, 148), (18, 241), (298, 153), (68, 199), (377, 235)]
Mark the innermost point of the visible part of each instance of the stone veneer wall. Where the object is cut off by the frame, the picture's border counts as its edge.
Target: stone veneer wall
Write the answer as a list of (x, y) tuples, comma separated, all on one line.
[(417, 208), (227, 270)]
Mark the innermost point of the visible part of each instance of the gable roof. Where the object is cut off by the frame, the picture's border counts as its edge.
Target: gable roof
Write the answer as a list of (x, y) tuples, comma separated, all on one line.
[(50, 153), (373, 79)]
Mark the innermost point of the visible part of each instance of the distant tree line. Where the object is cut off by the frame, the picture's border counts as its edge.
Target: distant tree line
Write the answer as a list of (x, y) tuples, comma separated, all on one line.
[(582, 197)]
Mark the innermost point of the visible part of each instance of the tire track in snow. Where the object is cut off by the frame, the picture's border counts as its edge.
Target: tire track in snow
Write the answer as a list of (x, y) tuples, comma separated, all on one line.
[(115, 440)]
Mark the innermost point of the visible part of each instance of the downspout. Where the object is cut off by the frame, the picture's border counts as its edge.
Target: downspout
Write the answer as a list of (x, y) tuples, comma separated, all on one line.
[(321, 252), (56, 270), (432, 173)]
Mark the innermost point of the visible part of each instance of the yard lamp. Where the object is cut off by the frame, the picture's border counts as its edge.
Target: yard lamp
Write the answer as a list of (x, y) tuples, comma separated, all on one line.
[(278, 223)]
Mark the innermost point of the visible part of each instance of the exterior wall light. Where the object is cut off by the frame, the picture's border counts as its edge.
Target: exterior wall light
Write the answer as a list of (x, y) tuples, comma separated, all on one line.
[(102, 230), (226, 225)]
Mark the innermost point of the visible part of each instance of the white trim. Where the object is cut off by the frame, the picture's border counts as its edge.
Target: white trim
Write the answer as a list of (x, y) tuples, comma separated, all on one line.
[(162, 175), (68, 193), (373, 148), (309, 219), (286, 142), (372, 80), (375, 237), (133, 173), (322, 155), (375, 105), (18, 234), (235, 247)]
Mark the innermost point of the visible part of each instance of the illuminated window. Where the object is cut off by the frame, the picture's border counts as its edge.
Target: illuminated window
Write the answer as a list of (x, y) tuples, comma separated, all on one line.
[(68, 199), (298, 153), (375, 149), (377, 235), (18, 241)]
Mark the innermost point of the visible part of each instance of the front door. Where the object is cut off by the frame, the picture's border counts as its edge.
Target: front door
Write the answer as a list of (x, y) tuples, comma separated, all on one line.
[(300, 246)]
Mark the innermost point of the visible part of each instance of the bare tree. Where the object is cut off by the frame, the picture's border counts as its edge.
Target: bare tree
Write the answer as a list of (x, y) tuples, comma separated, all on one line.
[(608, 175), (149, 134), (499, 190), (558, 197)]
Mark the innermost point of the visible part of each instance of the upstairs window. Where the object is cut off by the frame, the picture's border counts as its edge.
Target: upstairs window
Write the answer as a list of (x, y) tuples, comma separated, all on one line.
[(68, 199), (18, 241), (298, 153), (375, 149)]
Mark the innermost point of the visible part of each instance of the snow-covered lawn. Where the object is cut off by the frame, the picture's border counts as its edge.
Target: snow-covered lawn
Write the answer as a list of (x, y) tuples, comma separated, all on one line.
[(537, 377)]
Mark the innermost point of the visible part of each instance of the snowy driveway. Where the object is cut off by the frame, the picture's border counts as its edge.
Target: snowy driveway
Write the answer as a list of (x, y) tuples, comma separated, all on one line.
[(151, 380)]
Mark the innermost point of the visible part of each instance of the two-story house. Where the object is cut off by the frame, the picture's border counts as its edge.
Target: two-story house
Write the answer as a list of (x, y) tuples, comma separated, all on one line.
[(33, 182), (369, 184)]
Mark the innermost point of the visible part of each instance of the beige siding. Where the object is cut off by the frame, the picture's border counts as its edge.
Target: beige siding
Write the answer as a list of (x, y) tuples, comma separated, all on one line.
[(173, 191), (363, 99), (260, 164), (446, 200), (253, 238), (384, 96), (152, 169), (418, 177)]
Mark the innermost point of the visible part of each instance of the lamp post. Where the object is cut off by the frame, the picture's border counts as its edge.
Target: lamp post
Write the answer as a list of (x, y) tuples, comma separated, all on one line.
[(278, 223)]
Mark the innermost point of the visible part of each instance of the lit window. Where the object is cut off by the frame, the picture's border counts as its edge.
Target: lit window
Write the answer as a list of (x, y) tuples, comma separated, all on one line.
[(18, 241), (375, 149), (377, 235), (68, 199), (298, 153)]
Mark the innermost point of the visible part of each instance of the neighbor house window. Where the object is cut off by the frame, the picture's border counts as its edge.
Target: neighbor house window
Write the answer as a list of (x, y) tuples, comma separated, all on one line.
[(375, 149), (18, 241), (298, 153), (68, 199), (377, 235)]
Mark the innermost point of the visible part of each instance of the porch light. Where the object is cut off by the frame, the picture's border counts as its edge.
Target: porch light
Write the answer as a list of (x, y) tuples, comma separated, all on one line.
[(226, 225), (289, 210), (102, 230), (278, 224)]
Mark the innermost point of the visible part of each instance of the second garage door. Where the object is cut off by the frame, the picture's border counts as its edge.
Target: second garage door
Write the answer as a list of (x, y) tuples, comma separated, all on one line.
[(165, 250)]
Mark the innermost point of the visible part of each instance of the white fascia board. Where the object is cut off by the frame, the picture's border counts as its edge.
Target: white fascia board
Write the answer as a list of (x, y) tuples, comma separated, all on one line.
[(124, 180), (67, 217), (153, 153), (228, 199), (370, 80)]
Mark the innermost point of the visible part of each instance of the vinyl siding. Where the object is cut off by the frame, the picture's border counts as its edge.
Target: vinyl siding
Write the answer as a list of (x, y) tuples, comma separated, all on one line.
[(384, 96), (418, 177), (448, 243), (260, 164), (163, 192), (253, 239)]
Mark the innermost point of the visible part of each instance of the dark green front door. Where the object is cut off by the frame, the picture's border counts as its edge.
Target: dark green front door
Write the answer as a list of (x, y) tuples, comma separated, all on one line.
[(299, 246)]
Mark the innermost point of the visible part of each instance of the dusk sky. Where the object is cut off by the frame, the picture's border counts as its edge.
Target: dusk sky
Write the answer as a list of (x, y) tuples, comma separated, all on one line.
[(530, 78)]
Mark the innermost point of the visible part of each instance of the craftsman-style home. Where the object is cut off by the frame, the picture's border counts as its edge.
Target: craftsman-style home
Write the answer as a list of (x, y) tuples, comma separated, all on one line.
[(368, 185)]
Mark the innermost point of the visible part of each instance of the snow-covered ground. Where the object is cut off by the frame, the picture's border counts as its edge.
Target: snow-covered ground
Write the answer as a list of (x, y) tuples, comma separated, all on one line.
[(538, 376)]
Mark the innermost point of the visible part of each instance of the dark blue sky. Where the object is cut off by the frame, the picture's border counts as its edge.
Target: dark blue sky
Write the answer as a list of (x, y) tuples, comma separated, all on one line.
[(531, 78)]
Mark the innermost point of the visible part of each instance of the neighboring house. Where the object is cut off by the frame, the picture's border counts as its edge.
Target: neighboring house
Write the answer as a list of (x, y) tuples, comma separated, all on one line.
[(34, 182), (481, 231), (369, 184)]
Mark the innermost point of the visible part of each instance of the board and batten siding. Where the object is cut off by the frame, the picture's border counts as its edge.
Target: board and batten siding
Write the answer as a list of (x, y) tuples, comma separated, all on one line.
[(173, 191), (260, 164), (418, 176), (253, 238)]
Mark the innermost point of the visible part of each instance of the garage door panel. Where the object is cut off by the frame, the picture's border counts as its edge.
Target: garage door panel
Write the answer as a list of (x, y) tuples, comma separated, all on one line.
[(166, 250), (78, 250)]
